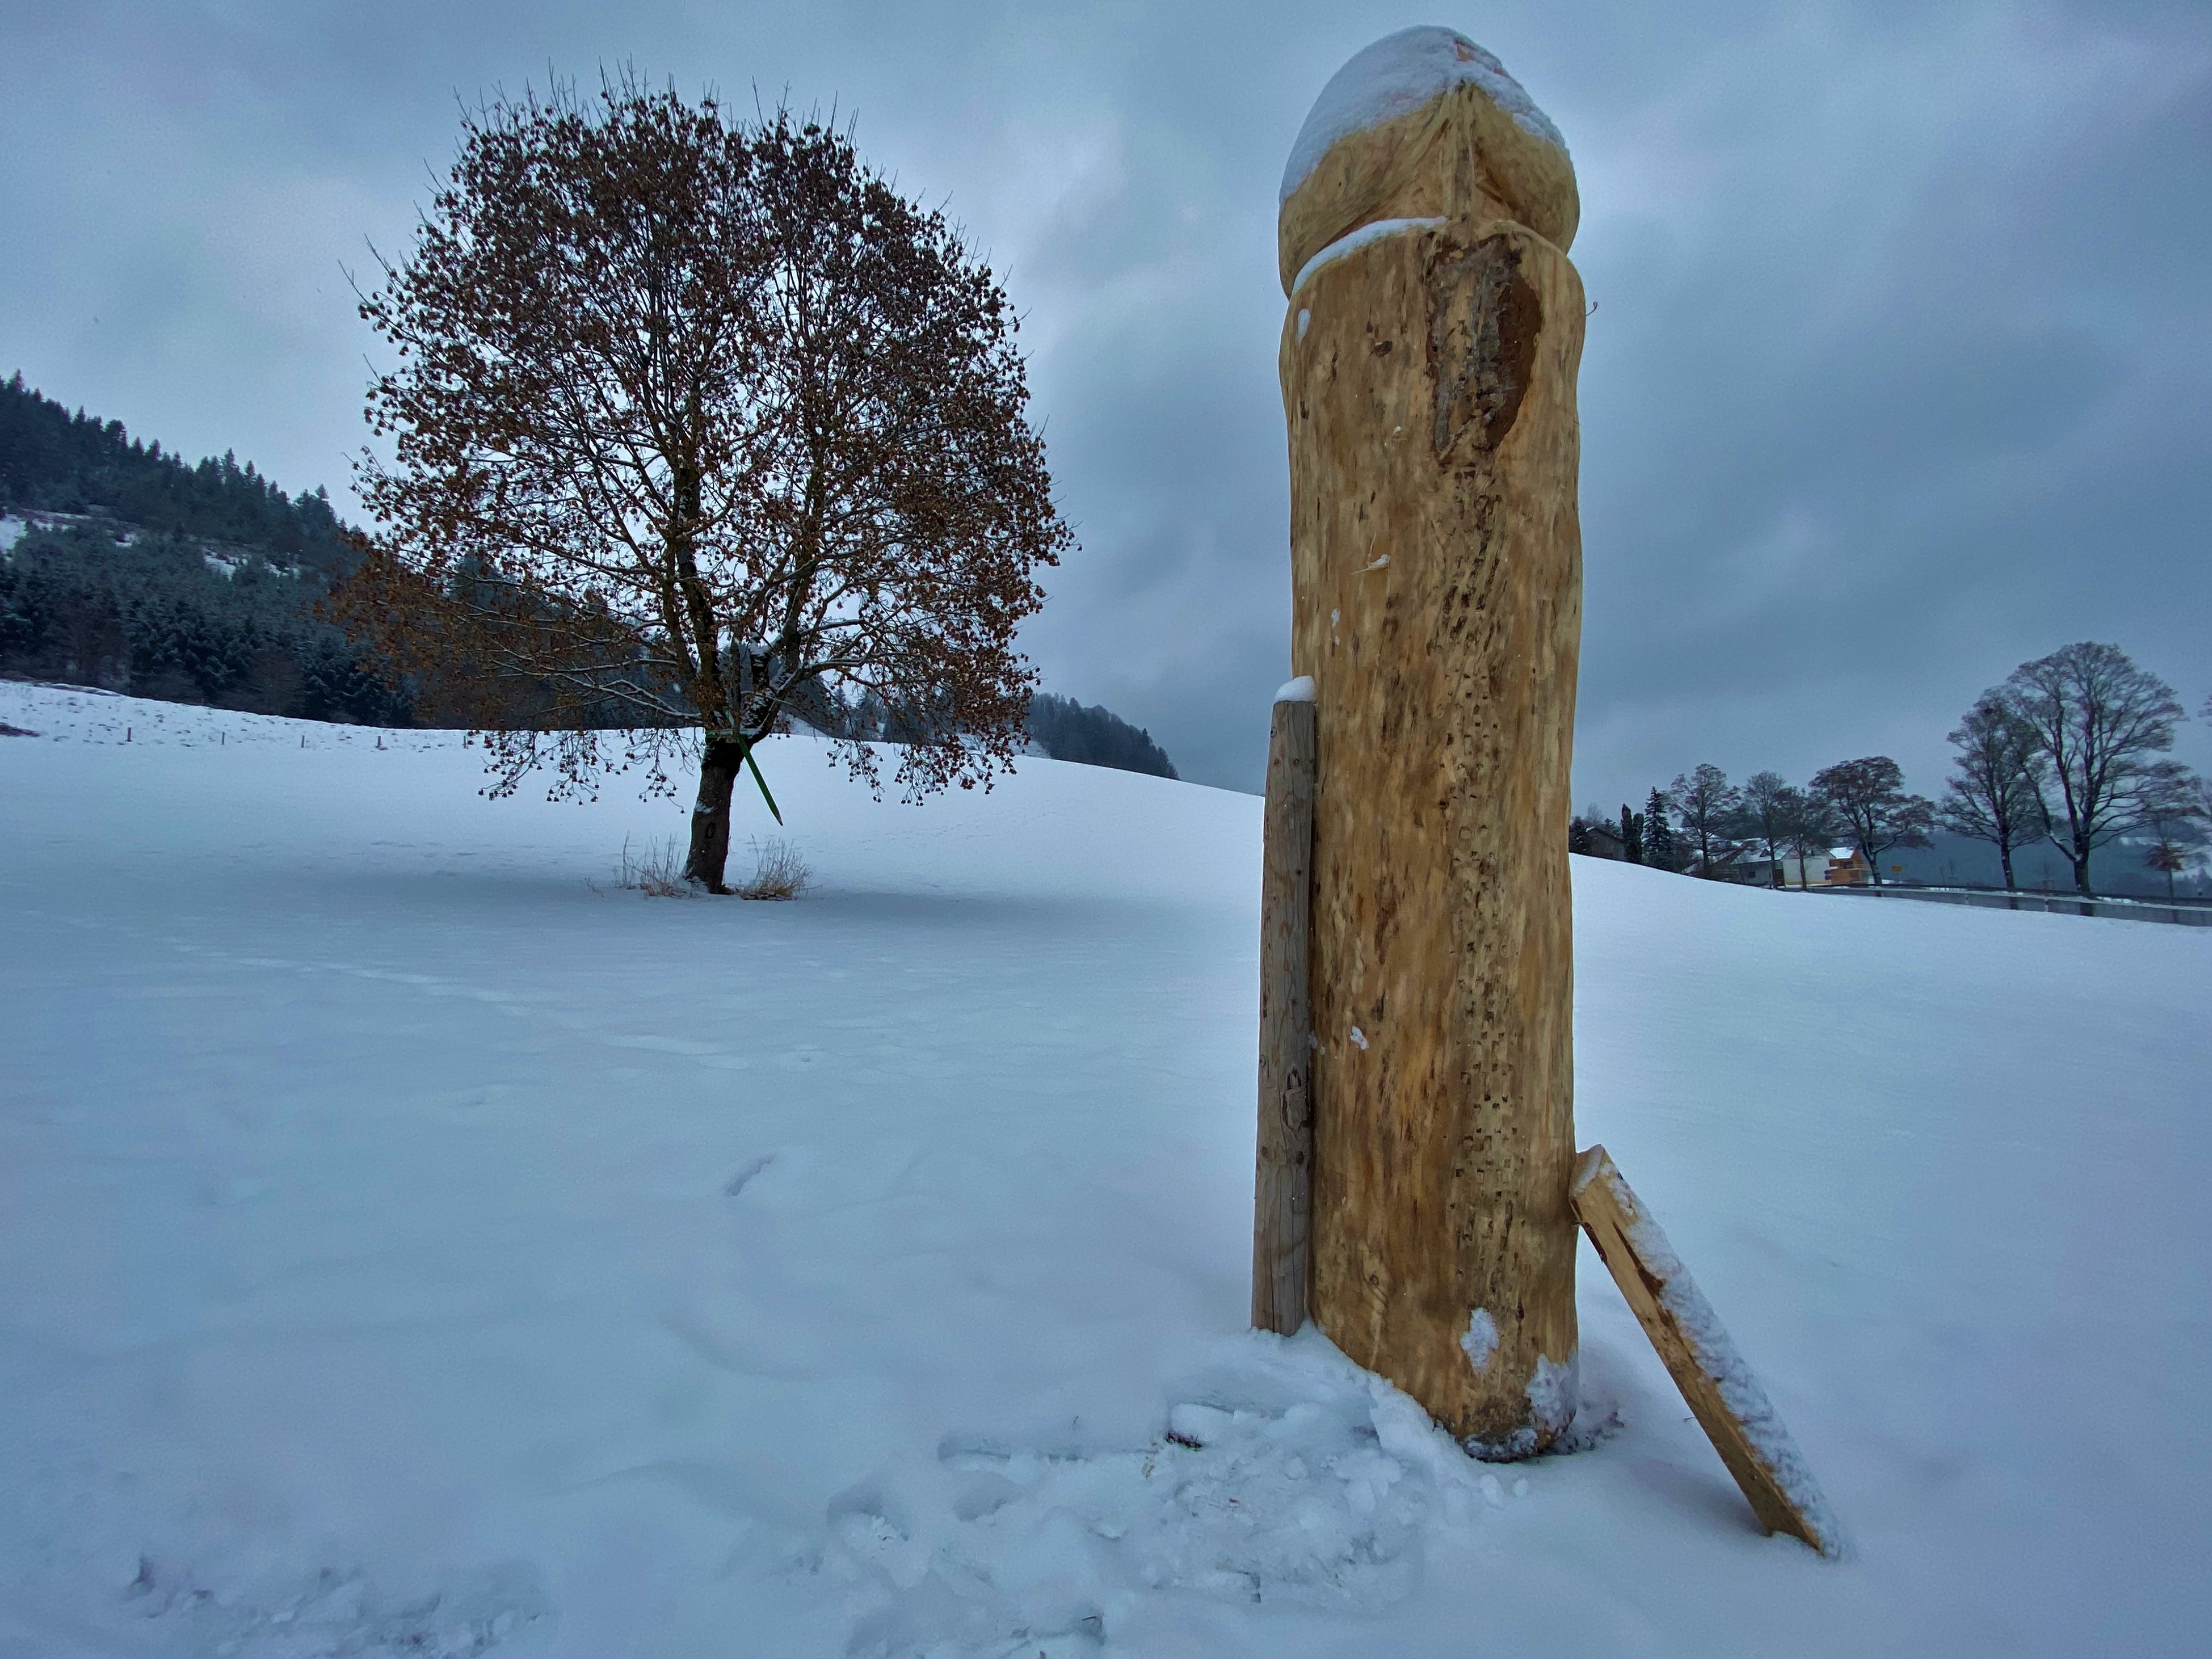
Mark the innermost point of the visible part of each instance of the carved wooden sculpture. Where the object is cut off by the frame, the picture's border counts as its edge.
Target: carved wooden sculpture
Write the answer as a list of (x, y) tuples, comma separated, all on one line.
[(1428, 363)]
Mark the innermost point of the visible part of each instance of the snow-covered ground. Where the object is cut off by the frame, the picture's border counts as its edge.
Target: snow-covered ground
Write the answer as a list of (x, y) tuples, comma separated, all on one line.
[(409, 1244)]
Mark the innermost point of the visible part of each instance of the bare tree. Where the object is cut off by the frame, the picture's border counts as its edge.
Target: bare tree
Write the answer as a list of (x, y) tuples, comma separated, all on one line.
[(1810, 825), (2100, 723), (1994, 793), (1763, 809), (2169, 858), (697, 424), (1868, 796), (2179, 818), (1707, 805)]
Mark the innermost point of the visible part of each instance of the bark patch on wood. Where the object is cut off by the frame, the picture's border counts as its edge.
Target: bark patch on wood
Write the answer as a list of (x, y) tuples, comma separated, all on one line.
[(1484, 321)]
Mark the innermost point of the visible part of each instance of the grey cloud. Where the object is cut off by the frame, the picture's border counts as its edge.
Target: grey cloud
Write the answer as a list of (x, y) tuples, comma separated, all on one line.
[(1899, 373)]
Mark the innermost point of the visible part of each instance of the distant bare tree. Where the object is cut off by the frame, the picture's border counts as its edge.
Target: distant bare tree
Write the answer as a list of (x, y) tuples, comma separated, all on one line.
[(2180, 821), (1765, 808), (1994, 793), (2101, 723), (2168, 858), (1810, 825), (1868, 796), (697, 424), (1706, 804)]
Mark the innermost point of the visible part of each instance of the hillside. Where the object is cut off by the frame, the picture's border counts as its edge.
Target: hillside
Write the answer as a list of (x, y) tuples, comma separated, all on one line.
[(411, 1244), (123, 569), (82, 468)]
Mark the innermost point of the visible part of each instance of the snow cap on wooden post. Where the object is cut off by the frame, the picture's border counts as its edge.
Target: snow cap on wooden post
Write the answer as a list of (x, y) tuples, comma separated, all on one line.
[(1429, 358)]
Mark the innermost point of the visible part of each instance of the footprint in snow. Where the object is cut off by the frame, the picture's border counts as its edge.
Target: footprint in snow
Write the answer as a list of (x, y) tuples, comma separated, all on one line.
[(745, 1177), (343, 1612)]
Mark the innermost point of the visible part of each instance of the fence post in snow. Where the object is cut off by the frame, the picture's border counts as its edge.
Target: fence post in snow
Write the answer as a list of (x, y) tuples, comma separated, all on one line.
[(1429, 357), (1282, 1210)]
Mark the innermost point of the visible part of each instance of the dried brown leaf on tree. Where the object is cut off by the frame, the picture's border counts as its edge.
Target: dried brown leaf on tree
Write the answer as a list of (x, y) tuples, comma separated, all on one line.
[(699, 427)]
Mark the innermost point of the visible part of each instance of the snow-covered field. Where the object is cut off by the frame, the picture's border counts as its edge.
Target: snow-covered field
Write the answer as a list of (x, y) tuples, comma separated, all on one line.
[(409, 1244)]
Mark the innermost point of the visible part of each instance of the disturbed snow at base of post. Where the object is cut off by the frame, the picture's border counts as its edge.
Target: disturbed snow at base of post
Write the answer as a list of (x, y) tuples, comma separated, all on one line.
[(1352, 240), (1396, 75), (1555, 1393), (1563, 1414), (1286, 1476)]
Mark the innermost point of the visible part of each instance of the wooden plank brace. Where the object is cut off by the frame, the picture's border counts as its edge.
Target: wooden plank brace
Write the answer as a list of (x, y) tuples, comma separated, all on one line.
[(1718, 1386)]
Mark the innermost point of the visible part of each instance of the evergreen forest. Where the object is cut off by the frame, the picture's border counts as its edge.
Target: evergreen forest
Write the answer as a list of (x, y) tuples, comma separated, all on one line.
[(125, 568)]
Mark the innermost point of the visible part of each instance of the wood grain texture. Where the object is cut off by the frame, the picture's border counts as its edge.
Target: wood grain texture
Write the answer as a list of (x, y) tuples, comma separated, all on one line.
[(1429, 382), (1784, 1500), (1283, 1189)]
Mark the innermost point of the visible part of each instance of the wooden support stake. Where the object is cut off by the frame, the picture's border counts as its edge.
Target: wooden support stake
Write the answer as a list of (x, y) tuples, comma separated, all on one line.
[(1718, 1386), (1282, 1198)]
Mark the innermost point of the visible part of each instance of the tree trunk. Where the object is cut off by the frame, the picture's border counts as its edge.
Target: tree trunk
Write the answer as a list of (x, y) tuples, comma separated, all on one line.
[(1282, 1210), (1429, 382), (2080, 861), (710, 816), (2004, 859)]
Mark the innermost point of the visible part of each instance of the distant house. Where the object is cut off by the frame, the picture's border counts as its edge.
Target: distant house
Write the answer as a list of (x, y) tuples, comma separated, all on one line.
[(1748, 869), (1842, 867), (1604, 842)]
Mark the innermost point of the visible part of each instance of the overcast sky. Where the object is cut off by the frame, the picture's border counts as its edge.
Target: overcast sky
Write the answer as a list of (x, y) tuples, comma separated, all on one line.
[(1901, 371)]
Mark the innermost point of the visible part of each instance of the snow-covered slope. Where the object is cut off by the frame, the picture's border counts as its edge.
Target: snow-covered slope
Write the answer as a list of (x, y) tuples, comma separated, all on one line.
[(409, 1244)]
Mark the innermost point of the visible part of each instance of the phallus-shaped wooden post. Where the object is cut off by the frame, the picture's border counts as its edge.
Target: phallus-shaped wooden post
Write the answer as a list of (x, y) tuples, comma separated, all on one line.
[(1429, 359)]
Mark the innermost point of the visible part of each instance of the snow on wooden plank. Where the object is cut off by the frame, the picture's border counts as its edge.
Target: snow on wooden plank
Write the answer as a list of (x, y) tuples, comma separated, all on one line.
[(1719, 1388)]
